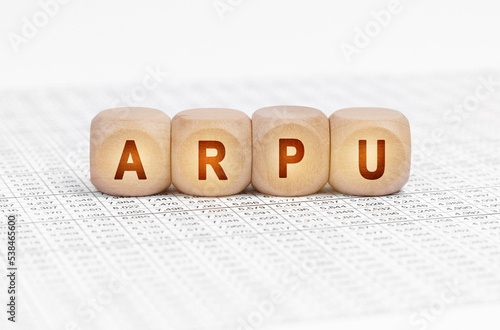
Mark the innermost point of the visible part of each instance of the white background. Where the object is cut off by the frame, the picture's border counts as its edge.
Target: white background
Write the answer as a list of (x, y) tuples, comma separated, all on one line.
[(95, 42)]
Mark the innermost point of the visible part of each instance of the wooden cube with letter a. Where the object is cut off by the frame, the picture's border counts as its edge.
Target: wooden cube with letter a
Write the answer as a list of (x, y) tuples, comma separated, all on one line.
[(130, 151), (291, 149), (371, 151), (211, 151)]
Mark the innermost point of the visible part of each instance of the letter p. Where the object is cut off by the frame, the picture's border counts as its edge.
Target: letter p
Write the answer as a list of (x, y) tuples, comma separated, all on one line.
[(285, 159)]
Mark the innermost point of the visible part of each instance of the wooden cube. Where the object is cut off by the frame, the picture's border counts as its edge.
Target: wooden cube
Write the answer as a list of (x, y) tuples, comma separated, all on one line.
[(291, 149), (370, 151), (130, 151), (211, 152)]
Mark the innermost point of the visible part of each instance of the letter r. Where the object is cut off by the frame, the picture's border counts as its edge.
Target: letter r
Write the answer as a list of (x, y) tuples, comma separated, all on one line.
[(204, 160)]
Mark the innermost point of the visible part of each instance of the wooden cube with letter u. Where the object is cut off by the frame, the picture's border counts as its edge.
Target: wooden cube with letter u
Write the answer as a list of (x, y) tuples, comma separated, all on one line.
[(291, 149), (371, 151), (211, 151), (130, 151)]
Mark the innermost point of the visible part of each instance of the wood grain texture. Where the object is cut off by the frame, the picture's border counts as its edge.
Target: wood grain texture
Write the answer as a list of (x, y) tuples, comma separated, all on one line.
[(287, 175), (149, 129), (370, 151), (199, 132)]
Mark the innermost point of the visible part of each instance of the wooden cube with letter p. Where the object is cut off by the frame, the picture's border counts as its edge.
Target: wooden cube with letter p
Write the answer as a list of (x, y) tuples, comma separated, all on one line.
[(371, 151), (211, 151), (130, 151), (291, 149)]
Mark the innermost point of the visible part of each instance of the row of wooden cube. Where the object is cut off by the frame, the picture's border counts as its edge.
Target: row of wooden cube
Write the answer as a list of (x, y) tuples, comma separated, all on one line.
[(282, 150)]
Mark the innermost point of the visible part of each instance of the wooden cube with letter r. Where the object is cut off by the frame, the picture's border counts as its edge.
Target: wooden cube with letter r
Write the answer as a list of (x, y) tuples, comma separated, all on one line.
[(291, 149), (130, 151), (211, 151)]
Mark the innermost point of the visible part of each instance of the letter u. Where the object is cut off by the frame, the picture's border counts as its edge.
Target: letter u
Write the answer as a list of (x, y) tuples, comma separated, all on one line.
[(369, 175)]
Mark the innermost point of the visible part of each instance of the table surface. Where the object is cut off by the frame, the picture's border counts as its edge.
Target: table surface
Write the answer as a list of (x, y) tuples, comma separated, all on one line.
[(240, 262)]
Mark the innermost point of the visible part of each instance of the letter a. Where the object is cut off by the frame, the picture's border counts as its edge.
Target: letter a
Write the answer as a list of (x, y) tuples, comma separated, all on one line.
[(130, 149), (380, 160)]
